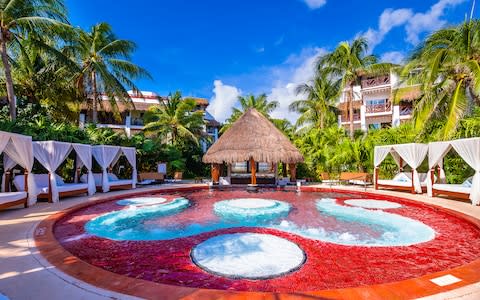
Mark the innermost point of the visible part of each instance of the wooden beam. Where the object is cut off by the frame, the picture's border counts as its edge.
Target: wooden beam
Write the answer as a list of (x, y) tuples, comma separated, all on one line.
[(253, 168), (376, 177), (293, 172)]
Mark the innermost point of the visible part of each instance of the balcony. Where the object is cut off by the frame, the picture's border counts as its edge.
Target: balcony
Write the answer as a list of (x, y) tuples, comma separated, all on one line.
[(375, 81), (346, 119), (378, 108)]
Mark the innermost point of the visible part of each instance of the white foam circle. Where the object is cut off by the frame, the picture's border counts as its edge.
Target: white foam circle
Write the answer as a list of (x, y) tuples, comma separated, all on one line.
[(142, 201), (248, 256), (375, 204), (251, 203)]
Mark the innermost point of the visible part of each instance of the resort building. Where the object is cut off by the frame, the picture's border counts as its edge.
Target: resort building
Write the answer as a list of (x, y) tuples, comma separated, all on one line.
[(131, 116), (378, 102)]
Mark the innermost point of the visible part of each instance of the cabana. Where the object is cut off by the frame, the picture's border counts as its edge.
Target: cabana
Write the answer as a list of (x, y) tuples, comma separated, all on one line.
[(107, 156), (17, 149), (51, 154), (252, 143), (469, 151), (403, 154)]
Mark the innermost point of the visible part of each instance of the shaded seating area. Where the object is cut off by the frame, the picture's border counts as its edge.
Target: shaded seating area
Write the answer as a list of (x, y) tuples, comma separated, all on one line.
[(412, 155), (17, 150), (469, 151), (108, 156), (250, 144), (51, 154)]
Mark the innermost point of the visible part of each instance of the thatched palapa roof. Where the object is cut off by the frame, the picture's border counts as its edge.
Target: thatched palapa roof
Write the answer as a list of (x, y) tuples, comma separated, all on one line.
[(253, 136)]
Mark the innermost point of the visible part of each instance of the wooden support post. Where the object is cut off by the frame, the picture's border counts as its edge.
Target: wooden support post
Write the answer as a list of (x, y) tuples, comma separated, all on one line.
[(284, 170), (50, 200), (215, 173), (293, 172), (401, 164), (432, 178), (78, 174), (376, 178), (413, 183), (25, 184), (253, 168), (7, 181)]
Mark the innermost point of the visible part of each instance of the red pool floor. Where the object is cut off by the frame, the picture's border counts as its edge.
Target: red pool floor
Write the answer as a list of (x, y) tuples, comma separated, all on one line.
[(328, 266)]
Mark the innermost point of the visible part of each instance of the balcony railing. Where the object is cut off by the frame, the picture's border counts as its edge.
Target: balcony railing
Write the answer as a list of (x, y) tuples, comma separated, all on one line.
[(378, 108), (356, 117), (376, 81)]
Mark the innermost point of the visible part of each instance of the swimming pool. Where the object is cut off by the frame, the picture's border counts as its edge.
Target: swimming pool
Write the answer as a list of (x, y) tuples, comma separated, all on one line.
[(314, 240)]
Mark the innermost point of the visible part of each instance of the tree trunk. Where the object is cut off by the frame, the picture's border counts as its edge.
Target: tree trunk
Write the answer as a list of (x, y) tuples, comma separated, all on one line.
[(94, 106), (350, 105), (8, 77)]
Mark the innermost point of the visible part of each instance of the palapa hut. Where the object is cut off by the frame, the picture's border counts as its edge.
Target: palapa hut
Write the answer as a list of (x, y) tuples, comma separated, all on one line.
[(252, 143)]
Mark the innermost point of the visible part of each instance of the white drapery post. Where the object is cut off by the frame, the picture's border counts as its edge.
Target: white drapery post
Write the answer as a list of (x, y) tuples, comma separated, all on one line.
[(84, 155), (469, 150), (436, 153), (379, 155), (19, 148), (105, 155), (131, 155), (413, 155), (51, 154)]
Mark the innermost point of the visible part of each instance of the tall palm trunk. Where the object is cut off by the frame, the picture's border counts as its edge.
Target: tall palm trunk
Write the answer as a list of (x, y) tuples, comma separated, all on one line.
[(350, 107), (94, 90), (8, 76)]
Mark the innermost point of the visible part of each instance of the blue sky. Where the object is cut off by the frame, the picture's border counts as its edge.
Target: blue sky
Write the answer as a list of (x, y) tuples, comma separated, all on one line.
[(220, 49)]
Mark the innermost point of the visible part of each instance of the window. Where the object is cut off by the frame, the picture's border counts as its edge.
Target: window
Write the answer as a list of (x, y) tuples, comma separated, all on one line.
[(376, 102)]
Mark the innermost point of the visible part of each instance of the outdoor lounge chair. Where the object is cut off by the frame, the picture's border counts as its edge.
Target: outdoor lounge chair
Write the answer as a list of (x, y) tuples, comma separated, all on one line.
[(403, 181), (43, 187), (461, 191), (9, 199), (113, 182)]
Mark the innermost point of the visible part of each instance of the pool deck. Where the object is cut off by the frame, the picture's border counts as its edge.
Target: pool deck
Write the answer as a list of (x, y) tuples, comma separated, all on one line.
[(26, 274)]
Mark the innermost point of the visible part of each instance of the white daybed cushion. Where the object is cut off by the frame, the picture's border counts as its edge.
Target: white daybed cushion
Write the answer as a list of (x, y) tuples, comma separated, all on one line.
[(41, 180), (404, 179), (70, 187), (120, 182), (12, 196), (457, 188)]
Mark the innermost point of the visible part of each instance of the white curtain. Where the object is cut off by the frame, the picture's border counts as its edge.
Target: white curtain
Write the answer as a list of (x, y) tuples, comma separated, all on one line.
[(8, 163), (105, 155), (436, 153), (469, 150), (84, 155), (20, 150), (379, 155), (413, 155), (131, 155), (51, 154)]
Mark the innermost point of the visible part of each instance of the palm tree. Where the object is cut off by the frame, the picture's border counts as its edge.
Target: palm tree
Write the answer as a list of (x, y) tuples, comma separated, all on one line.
[(260, 103), (447, 67), (318, 109), (106, 67), (175, 118), (18, 19), (348, 62)]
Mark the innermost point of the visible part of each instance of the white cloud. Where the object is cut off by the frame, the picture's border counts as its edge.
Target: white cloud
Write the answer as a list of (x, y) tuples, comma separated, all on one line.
[(282, 81), (314, 4), (225, 97), (428, 21), (388, 20), (415, 23), (395, 57)]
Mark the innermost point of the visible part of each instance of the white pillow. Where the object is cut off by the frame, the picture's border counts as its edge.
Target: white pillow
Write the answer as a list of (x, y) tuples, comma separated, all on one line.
[(60, 181), (112, 177), (401, 177), (468, 182)]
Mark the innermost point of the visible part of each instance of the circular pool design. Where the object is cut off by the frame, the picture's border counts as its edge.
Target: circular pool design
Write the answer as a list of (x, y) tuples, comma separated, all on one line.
[(248, 256), (251, 208), (374, 204), (141, 201), (343, 245)]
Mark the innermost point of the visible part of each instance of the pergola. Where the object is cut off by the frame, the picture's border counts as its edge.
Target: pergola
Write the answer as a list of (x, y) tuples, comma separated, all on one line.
[(252, 138)]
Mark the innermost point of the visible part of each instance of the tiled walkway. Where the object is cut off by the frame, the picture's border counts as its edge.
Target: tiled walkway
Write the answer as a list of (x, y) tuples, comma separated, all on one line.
[(25, 274)]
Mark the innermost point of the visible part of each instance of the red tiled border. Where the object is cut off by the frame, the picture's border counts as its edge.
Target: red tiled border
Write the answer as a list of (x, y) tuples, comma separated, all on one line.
[(49, 247)]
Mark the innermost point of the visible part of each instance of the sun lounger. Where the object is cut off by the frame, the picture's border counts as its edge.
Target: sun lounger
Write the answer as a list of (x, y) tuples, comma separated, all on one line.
[(9, 199), (113, 182), (403, 181), (43, 187)]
